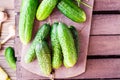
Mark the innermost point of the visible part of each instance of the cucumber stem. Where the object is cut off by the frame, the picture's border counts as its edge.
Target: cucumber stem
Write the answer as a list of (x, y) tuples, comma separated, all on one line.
[(85, 4)]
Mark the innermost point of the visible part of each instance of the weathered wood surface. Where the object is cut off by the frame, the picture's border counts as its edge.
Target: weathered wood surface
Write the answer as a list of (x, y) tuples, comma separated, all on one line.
[(100, 5), (104, 41), (7, 4), (100, 43), (96, 68)]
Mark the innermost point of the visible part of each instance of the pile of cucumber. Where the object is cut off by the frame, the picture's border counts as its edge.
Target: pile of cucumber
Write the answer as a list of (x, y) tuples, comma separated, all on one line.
[(31, 8), (64, 39), (64, 42)]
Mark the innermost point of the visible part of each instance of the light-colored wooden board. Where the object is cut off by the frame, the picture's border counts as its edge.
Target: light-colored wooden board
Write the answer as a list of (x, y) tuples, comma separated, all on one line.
[(105, 24), (107, 5), (7, 4), (84, 36), (5, 66), (96, 68), (100, 5), (104, 45)]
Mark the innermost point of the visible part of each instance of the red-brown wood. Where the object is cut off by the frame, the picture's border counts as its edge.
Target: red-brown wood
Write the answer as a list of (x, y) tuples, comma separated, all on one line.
[(96, 68), (104, 45), (106, 5), (105, 25)]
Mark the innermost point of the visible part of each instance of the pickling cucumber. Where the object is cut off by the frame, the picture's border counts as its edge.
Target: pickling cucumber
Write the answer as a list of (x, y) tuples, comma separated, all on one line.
[(67, 44), (72, 11), (56, 48), (42, 33), (45, 9), (44, 57), (27, 16), (75, 37), (10, 57)]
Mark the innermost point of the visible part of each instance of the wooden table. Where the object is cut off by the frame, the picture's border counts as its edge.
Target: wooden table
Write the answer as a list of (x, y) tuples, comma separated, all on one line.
[(104, 47)]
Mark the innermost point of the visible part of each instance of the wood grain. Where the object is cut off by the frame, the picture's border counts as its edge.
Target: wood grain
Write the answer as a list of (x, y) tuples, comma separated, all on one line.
[(107, 5), (104, 45), (105, 25), (7, 4), (96, 68)]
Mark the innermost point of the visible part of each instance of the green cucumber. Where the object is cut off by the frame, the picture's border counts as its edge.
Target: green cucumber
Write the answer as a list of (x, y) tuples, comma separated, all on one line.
[(72, 11), (75, 37), (10, 57), (44, 57), (68, 46), (45, 9), (27, 16), (41, 35), (56, 48)]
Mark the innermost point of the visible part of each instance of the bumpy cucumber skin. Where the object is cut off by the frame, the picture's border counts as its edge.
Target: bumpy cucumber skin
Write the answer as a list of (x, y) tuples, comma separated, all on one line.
[(68, 46), (72, 11), (56, 48), (41, 35), (27, 16), (44, 57), (45, 9), (75, 37), (10, 57)]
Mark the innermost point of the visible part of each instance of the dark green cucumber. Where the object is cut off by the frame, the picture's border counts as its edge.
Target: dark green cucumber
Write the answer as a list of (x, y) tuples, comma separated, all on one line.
[(75, 37), (10, 57), (27, 16), (56, 48), (44, 57), (72, 11), (68, 46), (41, 35), (45, 9)]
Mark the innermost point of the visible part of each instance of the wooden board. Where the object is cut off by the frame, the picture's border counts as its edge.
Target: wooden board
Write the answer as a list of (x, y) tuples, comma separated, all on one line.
[(96, 68), (84, 31), (105, 25), (107, 5)]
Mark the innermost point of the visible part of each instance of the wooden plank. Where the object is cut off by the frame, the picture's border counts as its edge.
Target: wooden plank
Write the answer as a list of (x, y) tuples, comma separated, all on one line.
[(104, 45), (100, 5), (5, 66), (7, 4), (106, 5), (105, 24), (96, 68)]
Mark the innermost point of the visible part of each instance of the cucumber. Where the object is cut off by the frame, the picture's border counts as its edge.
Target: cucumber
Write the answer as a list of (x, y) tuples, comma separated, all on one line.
[(75, 37), (41, 35), (68, 46), (72, 11), (27, 16), (45, 9), (44, 57), (56, 48), (10, 57)]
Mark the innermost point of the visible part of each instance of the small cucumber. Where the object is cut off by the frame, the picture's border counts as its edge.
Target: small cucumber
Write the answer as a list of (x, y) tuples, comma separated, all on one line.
[(75, 37), (45, 9), (42, 33), (44, 57), (10, 57), (27, 16), (68, 46), (72, 11), (56, 48)]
